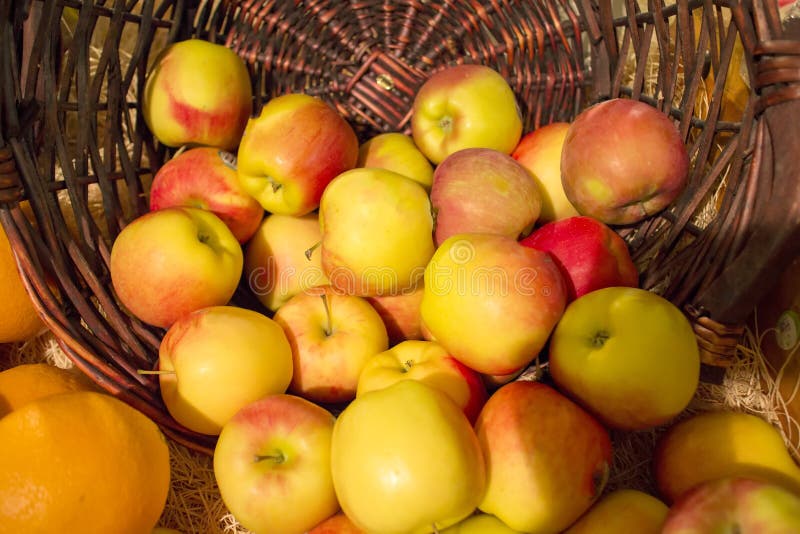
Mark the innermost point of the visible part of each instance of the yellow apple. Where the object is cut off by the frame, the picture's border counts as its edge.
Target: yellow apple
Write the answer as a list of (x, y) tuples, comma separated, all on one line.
[(540, 152), (428, 362), (491, 302), (405, 460), (720, 444), (624, 510), (396, 152), (465, 106), (481, 524), (216, 360), (197, 92), (272, 464), (281, 260), (377, 232), (332, 337), (628, 355), (170, 262)]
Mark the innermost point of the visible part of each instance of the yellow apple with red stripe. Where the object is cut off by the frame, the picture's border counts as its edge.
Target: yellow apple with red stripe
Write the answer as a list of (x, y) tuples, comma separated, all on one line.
[(400, 314)]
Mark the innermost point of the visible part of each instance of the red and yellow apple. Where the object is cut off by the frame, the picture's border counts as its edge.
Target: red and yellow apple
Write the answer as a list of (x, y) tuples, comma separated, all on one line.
[(400, 314), (547, 460), (272, 464), (377, 232), (168, 263), (396, 152), (198, 93), (427, 362), (205, 177), (216, 360), (623, 510), (627, 355), (336, 524), (491, 302), (539, 151), (332, 337), (405, 460), (480, 190), (622, 161), (282, 259), (590, 255), (465, 106), (292, 150)]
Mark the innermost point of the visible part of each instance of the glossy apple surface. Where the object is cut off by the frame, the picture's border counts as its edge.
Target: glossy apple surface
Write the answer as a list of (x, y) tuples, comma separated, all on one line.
[(167, 263), (396, 152), (400, 314), (480, 524), (624, 510)]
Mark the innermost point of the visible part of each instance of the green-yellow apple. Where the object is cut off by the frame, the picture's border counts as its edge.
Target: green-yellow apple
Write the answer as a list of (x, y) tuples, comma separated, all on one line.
[(292, 150), (465, 106), (167, 263), (396, 152), (491, 302), (214, 361), (272, 464), (198, 93), (480, 190), (628, 355), (735, 505), (281, 259), (336, 524), (547, 460), (400, 314), (428, 362), (624, 510), (377, 232), (205, 177), (480, 524), (622, 161), (539, 151), (719, 444), (590, 255), (332, 337), (405, 460)]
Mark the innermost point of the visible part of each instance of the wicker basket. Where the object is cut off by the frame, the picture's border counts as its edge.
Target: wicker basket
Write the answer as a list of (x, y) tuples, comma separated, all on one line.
[(76, 157)]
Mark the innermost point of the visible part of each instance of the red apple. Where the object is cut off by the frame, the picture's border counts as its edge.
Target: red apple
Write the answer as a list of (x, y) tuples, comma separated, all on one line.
[(590, 254), (205, 177), (547, 459), (622, 161), (292, 150), (400, 314), (480, 190)]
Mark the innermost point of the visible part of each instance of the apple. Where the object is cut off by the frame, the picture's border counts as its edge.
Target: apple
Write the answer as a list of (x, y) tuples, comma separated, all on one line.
[(198, 93), (282, 258), (214, 361), (622, 161), (427, 362), (627, 355), (465, 106), (623, 510), (400, 314), (480, 524), (272, 464), (336, 524), (719, 444), (396, 152), (332, 337), (491, 302), (167, 263), (590, 254), (735, 505), (377, 232), (405, 460), (480, 190), (539, 151), (205, 177), (292, 150)]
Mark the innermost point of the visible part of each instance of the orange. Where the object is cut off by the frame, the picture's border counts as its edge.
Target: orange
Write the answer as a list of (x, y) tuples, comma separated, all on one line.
[(31, 381), (18, 318), (81, 462)]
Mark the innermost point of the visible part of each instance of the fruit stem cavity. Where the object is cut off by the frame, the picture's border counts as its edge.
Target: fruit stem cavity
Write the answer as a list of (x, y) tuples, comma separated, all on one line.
[(600, 339)]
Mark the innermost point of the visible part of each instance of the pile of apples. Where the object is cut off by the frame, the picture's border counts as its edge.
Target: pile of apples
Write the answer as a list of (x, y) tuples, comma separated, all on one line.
[(411, 280)]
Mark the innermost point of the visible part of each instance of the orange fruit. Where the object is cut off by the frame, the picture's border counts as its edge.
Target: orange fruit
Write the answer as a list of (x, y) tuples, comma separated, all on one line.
[(18, 318), (81, 462), (28, 382)]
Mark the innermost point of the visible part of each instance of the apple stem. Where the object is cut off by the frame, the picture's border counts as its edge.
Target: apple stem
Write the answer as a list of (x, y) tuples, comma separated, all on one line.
[(435, 530), (146, 372), (278, 457), (600, 338), (275, 186), (329, 328), (311, 249)]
